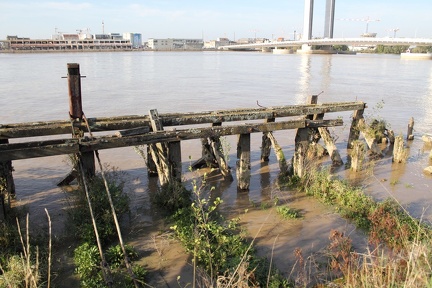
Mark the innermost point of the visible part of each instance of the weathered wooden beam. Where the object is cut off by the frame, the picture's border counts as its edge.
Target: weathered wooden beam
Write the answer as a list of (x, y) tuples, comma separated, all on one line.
[(258, 113), (15, 151), (243, 162), (58, 127), (134, 131)]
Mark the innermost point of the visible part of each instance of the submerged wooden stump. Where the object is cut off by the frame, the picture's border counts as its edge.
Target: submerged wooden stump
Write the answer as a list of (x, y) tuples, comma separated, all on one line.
[(400, 153), (243, 162), (410, 135), (357, 155)]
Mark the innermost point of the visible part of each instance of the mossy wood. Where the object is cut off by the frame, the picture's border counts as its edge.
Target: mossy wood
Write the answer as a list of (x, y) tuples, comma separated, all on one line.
[(58, 127), (34, 149)]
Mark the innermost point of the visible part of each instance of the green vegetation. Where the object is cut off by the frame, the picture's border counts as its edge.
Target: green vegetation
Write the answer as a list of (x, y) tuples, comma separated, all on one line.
[(80, 221), (22, 263), (394, 237), (288, 213), (381, 49), (218, 245), (88, 267), (87, 257)]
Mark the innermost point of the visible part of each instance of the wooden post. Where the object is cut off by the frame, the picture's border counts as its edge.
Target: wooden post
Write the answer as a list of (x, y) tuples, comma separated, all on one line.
[(2, 208), (391, 136), (243, 162), (357, 121), (357, 126), (301, 146), (400, 154), (324, 133), (159, 151), (330, 146), (151, 165), (410, 135), (174, 158), (302, 140), (266, 144), (6, 176), (218, 152), (357, 155), (207, 159), (280, 156)]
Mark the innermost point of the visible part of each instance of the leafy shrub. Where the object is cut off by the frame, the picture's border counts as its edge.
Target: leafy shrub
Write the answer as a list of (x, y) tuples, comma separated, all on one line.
[(88, 266)]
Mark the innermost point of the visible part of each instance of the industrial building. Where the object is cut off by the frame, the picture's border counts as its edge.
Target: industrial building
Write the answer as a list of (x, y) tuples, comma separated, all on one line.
[(74, 42), (175, 44)]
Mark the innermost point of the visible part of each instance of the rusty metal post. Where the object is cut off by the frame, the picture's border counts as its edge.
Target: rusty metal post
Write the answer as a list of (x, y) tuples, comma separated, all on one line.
[(74, 85), (86, 159)]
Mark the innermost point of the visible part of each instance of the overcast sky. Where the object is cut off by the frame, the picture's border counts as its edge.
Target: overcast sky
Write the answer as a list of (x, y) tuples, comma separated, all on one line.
[(212, 19)]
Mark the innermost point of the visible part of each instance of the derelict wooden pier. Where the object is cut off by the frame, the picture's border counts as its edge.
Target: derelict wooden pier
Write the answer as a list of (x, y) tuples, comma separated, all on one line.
[(163, 133)]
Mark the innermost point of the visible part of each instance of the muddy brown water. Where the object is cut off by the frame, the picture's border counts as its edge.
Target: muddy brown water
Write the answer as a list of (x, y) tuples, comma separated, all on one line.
[(133, 83)]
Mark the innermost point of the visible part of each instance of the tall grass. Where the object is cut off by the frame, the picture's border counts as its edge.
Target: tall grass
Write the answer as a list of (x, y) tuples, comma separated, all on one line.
[(22, 268), (399, 253)]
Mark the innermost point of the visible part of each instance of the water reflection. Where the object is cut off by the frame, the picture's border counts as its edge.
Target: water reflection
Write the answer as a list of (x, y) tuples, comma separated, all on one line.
[(325, 74), (304, 79), (310, 82)]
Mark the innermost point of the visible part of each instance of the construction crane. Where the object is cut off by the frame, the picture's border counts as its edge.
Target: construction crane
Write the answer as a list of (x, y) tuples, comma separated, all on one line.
[(394, 30), (367, 20)]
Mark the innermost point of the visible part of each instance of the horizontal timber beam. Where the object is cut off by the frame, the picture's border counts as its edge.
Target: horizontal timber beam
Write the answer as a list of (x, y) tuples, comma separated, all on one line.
[(16, 151), (35, 129)]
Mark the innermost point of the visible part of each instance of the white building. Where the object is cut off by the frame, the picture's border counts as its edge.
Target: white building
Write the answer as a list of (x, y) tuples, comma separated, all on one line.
[(175, 44), (215, 44)]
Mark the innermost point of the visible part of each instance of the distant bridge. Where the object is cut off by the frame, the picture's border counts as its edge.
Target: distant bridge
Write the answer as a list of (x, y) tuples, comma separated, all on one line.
[(360, 41)]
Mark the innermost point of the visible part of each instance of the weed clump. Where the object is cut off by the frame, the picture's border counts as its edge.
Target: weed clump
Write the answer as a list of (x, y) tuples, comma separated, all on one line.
[(80, 218), (219, 247), (87, 256), (88, 266), (171, 197), (288, 213)]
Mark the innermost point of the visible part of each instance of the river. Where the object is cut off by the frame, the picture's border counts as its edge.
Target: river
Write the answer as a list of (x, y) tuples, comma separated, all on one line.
[(127, 83)]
